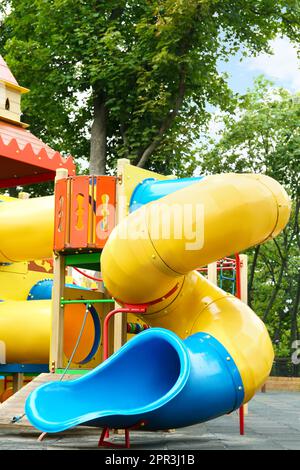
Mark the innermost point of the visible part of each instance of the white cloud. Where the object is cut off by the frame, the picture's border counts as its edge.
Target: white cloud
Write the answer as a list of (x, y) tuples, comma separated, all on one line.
[(283, 65)]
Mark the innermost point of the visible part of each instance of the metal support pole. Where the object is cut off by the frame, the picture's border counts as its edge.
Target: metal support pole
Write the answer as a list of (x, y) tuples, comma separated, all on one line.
[(242, 420), (18, 379), (57, 314), (238, 295), (125, 310)]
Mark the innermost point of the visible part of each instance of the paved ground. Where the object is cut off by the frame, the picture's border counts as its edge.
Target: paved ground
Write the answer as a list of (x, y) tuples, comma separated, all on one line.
[(273, 422)]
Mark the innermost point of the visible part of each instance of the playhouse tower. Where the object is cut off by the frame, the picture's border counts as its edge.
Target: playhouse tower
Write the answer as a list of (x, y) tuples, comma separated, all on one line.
[(24, 159), (10, 96)]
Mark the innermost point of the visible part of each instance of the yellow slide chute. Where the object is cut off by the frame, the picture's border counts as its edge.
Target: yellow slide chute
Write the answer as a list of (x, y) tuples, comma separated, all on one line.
[(142, 265), (25, 330), (26, 229), (26, 233)]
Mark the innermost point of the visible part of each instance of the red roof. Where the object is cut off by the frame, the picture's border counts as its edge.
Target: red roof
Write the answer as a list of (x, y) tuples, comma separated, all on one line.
[(5, 73), (25, 159)]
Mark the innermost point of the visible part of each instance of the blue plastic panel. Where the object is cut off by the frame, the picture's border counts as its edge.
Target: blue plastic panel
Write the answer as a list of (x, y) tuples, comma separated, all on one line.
[(42, 290), (151, 189), (24, 368), (156, 378)]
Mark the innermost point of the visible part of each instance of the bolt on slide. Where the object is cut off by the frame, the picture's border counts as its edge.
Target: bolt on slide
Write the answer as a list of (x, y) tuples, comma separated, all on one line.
[(207, 352)]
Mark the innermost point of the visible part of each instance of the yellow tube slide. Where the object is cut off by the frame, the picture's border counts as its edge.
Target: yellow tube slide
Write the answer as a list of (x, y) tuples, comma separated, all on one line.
[(26, 229), (26, 233), (25, 330), (150, 257)]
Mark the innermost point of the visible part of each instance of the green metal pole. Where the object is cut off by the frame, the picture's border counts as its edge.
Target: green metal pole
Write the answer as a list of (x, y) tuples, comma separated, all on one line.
[(86, 301)]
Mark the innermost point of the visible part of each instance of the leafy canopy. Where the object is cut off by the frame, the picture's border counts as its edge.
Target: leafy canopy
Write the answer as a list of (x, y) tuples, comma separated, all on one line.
[(154, 63)]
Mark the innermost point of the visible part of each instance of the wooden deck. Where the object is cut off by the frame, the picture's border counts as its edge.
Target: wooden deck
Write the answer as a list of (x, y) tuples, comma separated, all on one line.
[(14, 406)]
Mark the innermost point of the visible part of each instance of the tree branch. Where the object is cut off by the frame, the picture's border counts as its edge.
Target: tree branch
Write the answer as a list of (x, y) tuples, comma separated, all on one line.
[(252, 273), (124, 138), (275, 291), (278, 249), (270, 268), (168, 121)]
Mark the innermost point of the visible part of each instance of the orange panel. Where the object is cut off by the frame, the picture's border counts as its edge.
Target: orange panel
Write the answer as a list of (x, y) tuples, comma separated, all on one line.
[(105, 209), (8, 392), (41, 266), (79, 212), (60, 217)]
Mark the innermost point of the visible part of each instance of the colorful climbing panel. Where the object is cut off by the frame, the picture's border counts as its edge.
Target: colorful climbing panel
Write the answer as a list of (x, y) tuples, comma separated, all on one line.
[(84, 212)]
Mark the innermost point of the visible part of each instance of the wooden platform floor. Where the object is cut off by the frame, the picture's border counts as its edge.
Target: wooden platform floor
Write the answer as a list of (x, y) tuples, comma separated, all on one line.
[(14, 406)]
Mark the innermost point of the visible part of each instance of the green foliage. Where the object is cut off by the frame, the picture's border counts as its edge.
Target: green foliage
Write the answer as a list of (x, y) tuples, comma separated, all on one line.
[(263, 136), (153, 62)]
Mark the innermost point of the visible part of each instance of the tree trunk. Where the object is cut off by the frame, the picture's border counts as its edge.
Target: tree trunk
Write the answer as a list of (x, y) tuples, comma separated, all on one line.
[(167, 122), (13, 192), (98, 137), (252, 273)]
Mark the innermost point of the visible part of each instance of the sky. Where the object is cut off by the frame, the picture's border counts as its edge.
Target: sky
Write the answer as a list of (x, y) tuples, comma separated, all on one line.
[(282, 67)]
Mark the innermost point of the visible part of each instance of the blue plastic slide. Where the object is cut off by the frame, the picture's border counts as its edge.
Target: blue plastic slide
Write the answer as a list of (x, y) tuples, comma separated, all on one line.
[(156, 378)]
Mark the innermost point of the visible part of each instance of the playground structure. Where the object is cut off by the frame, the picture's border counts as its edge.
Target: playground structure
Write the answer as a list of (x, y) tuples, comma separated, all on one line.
[(26, 277), (206, 352)]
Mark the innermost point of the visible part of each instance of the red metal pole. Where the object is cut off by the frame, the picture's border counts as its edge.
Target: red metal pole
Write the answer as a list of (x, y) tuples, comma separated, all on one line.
[(97, 279), (238, 295), (127, 439), (238, 275), (242, 420), (126, 309), (224, 268)]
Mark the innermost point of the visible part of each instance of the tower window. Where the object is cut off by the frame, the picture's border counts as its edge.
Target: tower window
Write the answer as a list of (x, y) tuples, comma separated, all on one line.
[(7, 104)]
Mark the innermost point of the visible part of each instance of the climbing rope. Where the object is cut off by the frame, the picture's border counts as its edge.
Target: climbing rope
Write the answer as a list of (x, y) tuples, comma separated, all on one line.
[(77, 342)]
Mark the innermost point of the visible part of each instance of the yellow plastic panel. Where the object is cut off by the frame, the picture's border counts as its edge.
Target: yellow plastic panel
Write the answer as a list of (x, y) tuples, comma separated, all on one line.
[(25, 330), (26, 229), (16, 281)]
